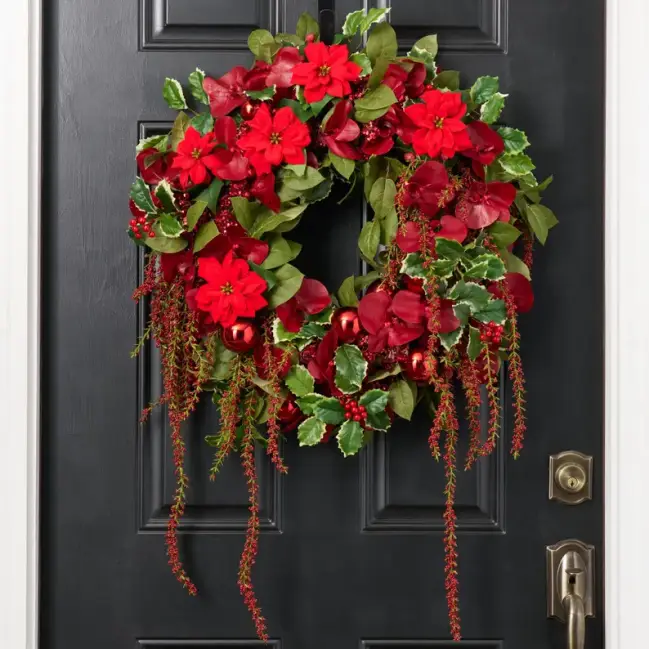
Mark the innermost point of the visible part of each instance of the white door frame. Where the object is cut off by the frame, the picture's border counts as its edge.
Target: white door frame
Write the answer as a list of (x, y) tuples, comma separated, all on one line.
[(626, 340)]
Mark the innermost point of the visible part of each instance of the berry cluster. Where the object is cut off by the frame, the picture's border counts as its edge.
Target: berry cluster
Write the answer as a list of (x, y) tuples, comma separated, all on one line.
[(492, 333), (141, 227), (354, 411)]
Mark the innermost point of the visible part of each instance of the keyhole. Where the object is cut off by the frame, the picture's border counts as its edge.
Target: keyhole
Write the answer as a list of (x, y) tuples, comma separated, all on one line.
[(572, 579), (573, 482)]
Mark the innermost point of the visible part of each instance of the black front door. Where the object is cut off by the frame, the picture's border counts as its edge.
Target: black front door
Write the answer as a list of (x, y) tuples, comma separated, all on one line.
[(351, 550)]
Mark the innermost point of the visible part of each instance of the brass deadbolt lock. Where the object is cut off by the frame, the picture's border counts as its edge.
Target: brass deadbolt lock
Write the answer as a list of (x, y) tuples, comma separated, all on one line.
[(571, 476)]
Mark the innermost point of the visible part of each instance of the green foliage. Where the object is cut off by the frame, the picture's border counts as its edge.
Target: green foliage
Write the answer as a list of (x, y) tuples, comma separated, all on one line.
[(141, 196), (268, 221), (299, 381), (360, 22), (413, 266), (173, 94), (503, 234), (351, 368), (382, 43), (515, 141), (362, 59), (158, 142), (475, 295), (262, 44), (203, 123), (311, 431), (493, 311), (280, 251), (449, 248), (196, 79), (347, 293), (375, 103), (541, 220), (160, 243), (425, 48), (516, 164), (369, 239), (343, 166), (448, 79), (382, 197), (484, 89), (211, 195), (306, 25), (474, 348), (289, 279), (194, 213), (485, 266), (177, 134), (165, 195), (451, 339), (262, 95), (205, 234), (350, 438), (329, 410), (402, 398), (491, 109), (244, 211), (169, 226)]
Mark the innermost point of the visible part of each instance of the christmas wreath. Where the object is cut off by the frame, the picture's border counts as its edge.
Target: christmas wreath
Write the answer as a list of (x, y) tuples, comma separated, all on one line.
[(452, 196)]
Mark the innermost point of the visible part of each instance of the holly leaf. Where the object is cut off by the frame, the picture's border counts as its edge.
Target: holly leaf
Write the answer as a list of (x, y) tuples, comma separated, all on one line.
[(476, 296), (350, 438), (343, 166), (330, 411), (402, 399), (194, 213), (351, 368), (382, 43), (494, 311), (211, 195), (503, 234), (425, 48), (484, 89), (165, 195), (203, 123), (451, 339), (442, 268), (177, 134), (515, 141), (299, 381), (474, 348), (160, 243), (347, 294), (289, 279), (382, 197), (173, 94), (491, 109), (374, 402), (353, 22), (306, 25), (413, 266), (158, 142), (449, 248), (169, 226), (311, 431), (301, 112), (487, 266), (308, 402), (196, 79), (205, 234), (141, 196), (369, 239), (517, 164)]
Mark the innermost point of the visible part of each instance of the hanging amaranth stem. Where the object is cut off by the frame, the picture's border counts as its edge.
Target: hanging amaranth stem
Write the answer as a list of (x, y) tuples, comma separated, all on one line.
[(468, 374)]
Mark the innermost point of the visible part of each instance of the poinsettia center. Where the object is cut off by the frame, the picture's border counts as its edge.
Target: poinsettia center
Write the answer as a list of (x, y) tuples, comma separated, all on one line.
[(227, 289), (439, 122), (196, 154), (324, 70), (275, 138)]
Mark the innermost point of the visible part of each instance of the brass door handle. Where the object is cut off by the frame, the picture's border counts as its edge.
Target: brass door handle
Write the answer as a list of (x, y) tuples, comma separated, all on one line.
[(570, 587)]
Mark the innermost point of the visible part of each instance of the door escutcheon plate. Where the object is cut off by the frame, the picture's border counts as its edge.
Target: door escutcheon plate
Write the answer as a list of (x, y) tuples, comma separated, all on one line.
[(571, 477)]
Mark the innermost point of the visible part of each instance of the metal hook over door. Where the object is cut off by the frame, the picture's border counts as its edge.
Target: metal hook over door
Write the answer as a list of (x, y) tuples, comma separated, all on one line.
[(570, 583)]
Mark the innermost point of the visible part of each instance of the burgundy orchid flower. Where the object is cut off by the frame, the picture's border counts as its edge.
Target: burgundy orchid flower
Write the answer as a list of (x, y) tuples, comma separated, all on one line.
[(281, 71), (321, 366), (234, 165), (426, 187), (405, 83), (378, 135), (339, 130), (391, 321), (263, 189), (448, 321), (409, 237), (484, 203), (228, 92), (255, 78), (178, 263), (155, 166), (236, 240), (487, 144), (520, 288), (313, 297)]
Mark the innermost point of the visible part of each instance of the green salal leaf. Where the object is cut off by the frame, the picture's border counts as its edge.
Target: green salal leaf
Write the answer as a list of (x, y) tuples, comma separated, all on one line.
[(517, 164), (205, 234), (449, 248), (267, 275), (141, 196), (310, 178), (350, 438), (177, 134), (389, 227), (515, 141), (289, 279), (515, 264), (382, 197), (303, 113), (413, 266), (353, 22), (203, 123), (451, 339), (402, 398), (308, 402), (362, 282), (173, 94), (160, 243), (425, 48), (311, 431), (382, 42), (490, 111), (165, 195), (374, 15), (541, 219), (369, 239), (343, 166), (475, 295), (210, 196), (279, 252), (194, 213), (317, 107), (244, 211), (474, 348), (158, 142), (306, 25), (330, 411), (169, 226), (259, 38), (494, 311), (269, 221), (262, 95), (487, 266), (484, 89), (288, 39), (223, 359), (534, 191), (447, 80), (347, 293), (299, 381), (379, 69), (503, 234), (196, 79), (363, 116), (351, 368), (380, 98)]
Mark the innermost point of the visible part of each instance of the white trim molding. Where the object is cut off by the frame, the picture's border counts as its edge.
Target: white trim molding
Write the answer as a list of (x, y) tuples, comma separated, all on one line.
[(20, 60), (627, 342)]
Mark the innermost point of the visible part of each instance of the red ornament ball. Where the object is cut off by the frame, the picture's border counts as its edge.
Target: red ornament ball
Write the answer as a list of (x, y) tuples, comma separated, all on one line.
[(240, 337), (248, 110), (347, 325), (415, 366)]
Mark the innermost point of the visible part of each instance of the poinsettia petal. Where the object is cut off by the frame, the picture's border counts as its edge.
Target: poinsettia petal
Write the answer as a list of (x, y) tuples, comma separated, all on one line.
[(225, 131), (373, 311), (408, 306), (264, 190)]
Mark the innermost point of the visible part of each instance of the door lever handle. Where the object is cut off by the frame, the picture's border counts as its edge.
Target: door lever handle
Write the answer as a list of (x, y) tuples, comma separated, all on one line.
[(570, 587)]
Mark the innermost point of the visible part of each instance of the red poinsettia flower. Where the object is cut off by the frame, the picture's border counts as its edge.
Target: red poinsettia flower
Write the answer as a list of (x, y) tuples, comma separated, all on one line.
[(228, 92), (195, 158), (327, 71), (439, 125), (313, 297), (487, 145), (281, 71), (409, 237), (483, 203), (231, 290), (378, 135), (263, 189), (255, 78), (520, 288), (425, 189), (178, 263), (237, 242), (391, 321), (340, 130), (273, 139), (232, 164), (154, 166), (405, 83)]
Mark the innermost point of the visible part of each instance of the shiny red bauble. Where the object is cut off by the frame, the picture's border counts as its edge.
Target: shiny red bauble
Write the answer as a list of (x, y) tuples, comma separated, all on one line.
[(240, 337), (415, 365), (248, 110), (347, 325)]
